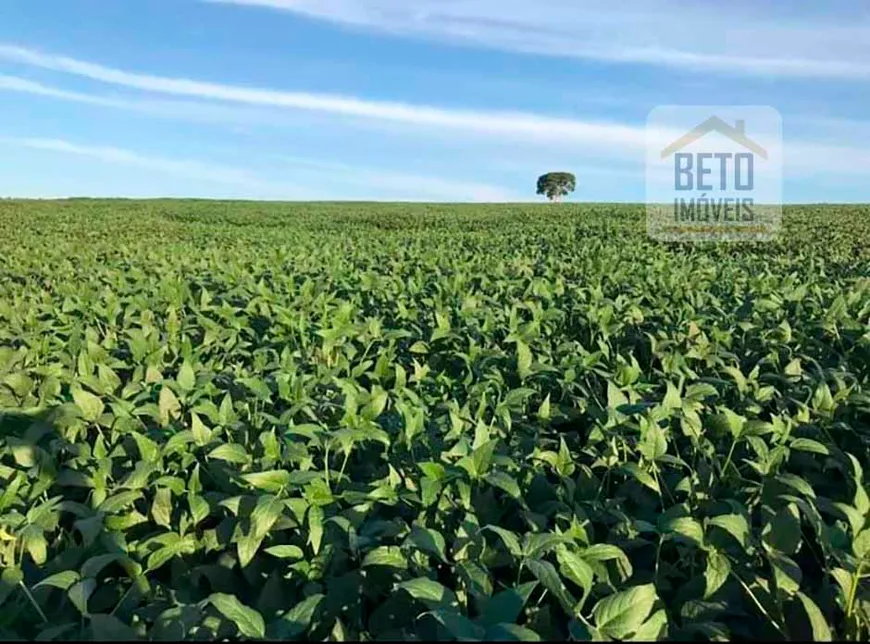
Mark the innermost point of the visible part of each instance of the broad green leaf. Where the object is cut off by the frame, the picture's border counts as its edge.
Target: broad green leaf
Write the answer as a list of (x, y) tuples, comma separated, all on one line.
[(504, 482), (161, 508), (298, 619), (90, 405), (199, 508), (861, 544), (80, 592), (653, 629), (429, 541), (168, 405), (35, 543), (809, 445), (119, 501), (716, 573), (62, 580), (247, 547), (615, 397), (509, 538), (734, 524), (507, 606), (201, 432), (608, 552), (783, 532), (621, 614), (786, 572), (247, 620), (431, 593), (95, 565), (258, 387), (549, 578), (672, 398), (820, 629), (231, 453), (9, 580), (286, 552), (538, 545), (160, 558), (793, 368), (391, 556), (139, 477), (686, 528), (315, 527), (643, 477), (544, 409), (267, 511), (475, 579), (186, 378), (524, 359), (272, 481), (458, 625), (798, 484), (573, 567)]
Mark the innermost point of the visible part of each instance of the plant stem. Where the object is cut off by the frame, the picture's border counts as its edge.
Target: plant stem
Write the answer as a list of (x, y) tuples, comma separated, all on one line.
[(853, 592), (33, 601), (728, 460), (118, 605), (343, 465), (759, 606)]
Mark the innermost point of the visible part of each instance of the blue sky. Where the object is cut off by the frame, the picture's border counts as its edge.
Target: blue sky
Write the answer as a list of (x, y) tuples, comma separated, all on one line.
[(432, 100)]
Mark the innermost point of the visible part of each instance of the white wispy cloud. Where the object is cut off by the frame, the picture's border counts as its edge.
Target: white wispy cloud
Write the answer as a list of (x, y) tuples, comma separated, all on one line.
[(180, 167), (190, 110), (412, 186), (778, 39), (503, 123), (368, 183)]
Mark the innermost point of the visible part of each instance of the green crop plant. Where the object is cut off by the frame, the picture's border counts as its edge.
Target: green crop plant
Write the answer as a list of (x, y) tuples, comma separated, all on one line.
[(390, 421)]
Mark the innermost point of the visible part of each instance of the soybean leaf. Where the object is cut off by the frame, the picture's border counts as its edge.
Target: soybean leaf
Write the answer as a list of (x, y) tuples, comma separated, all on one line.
[(429, 541), (458, 625), (547, 575), (297, 620), (509, 538), (431, 593), (821, 631), (247, 620), (621, 614), (391, 556), (507, 605), (62, 580)]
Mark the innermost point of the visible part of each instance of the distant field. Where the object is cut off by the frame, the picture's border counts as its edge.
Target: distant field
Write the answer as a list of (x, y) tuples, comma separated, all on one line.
[(388, 421)]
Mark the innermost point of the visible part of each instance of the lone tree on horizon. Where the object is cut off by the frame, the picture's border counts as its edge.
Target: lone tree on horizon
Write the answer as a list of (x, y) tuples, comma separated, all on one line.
[(556, 185)]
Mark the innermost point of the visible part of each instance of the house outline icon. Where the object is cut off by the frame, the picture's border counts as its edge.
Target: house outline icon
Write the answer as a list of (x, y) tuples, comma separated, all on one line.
[(737, 133)]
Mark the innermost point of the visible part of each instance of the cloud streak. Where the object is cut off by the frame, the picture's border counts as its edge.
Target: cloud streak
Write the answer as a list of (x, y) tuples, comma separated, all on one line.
[(412, 186), (186, 168), (191, 110), (306, 173), (760, 39), (503, 123)]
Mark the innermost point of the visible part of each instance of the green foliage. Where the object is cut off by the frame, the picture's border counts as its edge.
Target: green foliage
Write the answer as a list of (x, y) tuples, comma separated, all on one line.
[(556, 185), (354, 421)]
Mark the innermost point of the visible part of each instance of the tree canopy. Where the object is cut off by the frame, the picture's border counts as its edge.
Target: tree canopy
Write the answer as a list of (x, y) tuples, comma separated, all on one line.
[(556, 185)]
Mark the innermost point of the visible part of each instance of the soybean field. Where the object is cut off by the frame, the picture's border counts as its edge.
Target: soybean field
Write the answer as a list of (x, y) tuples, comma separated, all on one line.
[(360, 421)]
